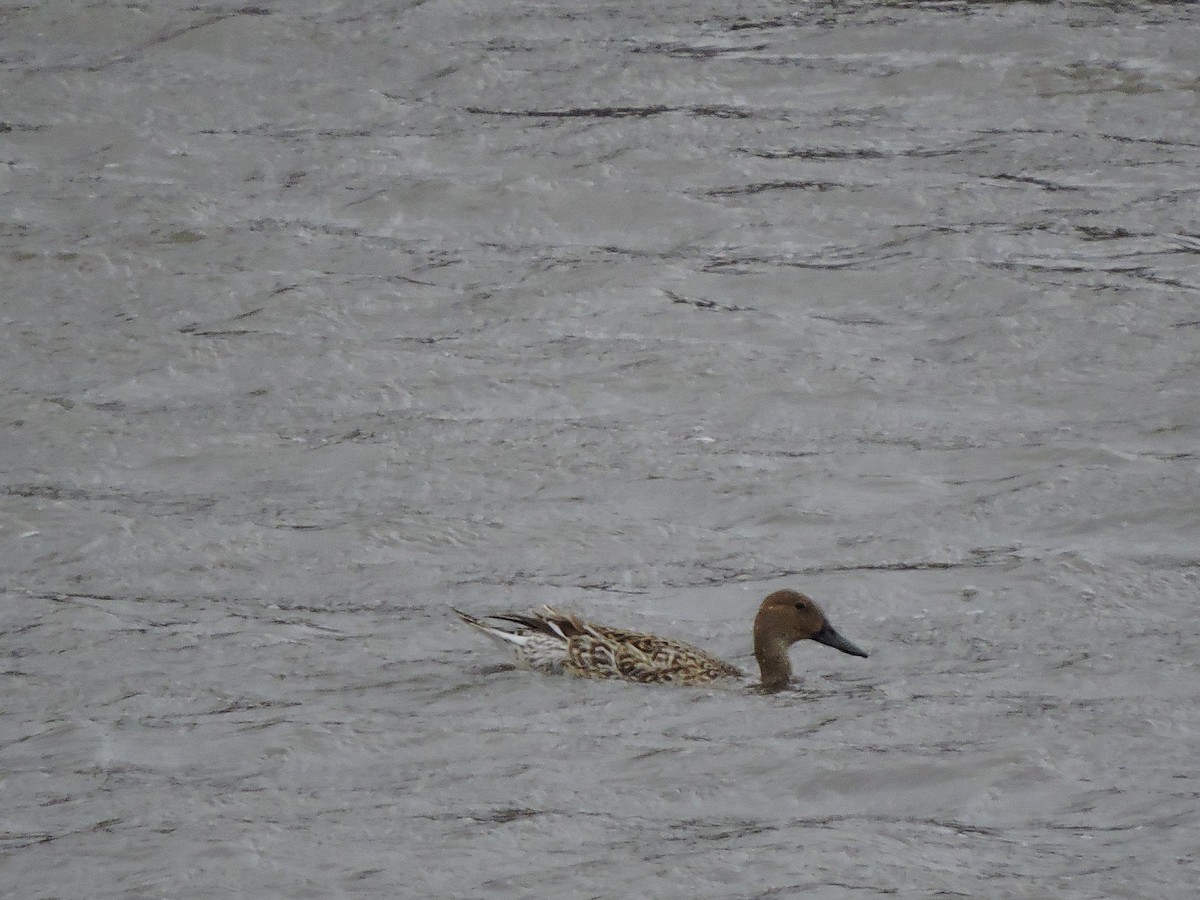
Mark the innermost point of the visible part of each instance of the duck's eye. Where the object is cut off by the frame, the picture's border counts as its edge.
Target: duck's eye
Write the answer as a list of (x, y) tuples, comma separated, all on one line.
[(801, 605)]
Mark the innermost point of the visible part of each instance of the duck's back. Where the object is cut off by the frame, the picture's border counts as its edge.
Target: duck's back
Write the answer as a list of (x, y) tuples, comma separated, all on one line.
[(600, 652)]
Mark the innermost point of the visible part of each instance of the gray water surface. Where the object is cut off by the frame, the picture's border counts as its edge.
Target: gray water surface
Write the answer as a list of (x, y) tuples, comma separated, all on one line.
[(319, 317)]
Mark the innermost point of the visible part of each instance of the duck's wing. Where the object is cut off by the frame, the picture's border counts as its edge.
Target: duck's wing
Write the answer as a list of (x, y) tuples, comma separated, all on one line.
[(547, 621)]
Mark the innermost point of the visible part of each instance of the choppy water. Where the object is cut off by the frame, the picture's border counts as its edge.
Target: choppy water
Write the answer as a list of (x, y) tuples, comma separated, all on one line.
[(320, 316)]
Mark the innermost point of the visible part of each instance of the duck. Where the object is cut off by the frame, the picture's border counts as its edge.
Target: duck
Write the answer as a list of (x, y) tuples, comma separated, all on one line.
[(560, 643)]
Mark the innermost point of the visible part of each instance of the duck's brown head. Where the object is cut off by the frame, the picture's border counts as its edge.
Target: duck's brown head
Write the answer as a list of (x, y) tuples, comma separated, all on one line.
[(784, 618)]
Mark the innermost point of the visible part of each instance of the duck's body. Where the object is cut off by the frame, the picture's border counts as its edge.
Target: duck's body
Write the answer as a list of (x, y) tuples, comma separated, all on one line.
[(559, 643)]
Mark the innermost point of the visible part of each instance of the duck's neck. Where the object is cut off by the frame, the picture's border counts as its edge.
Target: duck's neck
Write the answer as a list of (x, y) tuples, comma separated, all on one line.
[(774, 664)]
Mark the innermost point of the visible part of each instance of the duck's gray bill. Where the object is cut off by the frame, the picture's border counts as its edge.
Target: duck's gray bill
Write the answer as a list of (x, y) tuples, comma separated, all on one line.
[(829, 636)]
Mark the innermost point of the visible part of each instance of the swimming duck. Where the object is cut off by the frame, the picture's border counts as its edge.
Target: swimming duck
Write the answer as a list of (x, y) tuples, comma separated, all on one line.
[(558, 643)]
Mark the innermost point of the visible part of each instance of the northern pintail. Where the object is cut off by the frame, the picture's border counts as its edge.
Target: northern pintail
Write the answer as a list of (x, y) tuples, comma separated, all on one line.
[(554, 642)]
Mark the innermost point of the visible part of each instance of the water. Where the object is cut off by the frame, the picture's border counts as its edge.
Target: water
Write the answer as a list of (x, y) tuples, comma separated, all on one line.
[(318, 317)]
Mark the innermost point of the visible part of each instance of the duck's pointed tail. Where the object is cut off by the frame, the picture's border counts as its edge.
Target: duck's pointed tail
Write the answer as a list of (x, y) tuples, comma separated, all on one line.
[(537, 645), (492, 631)]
